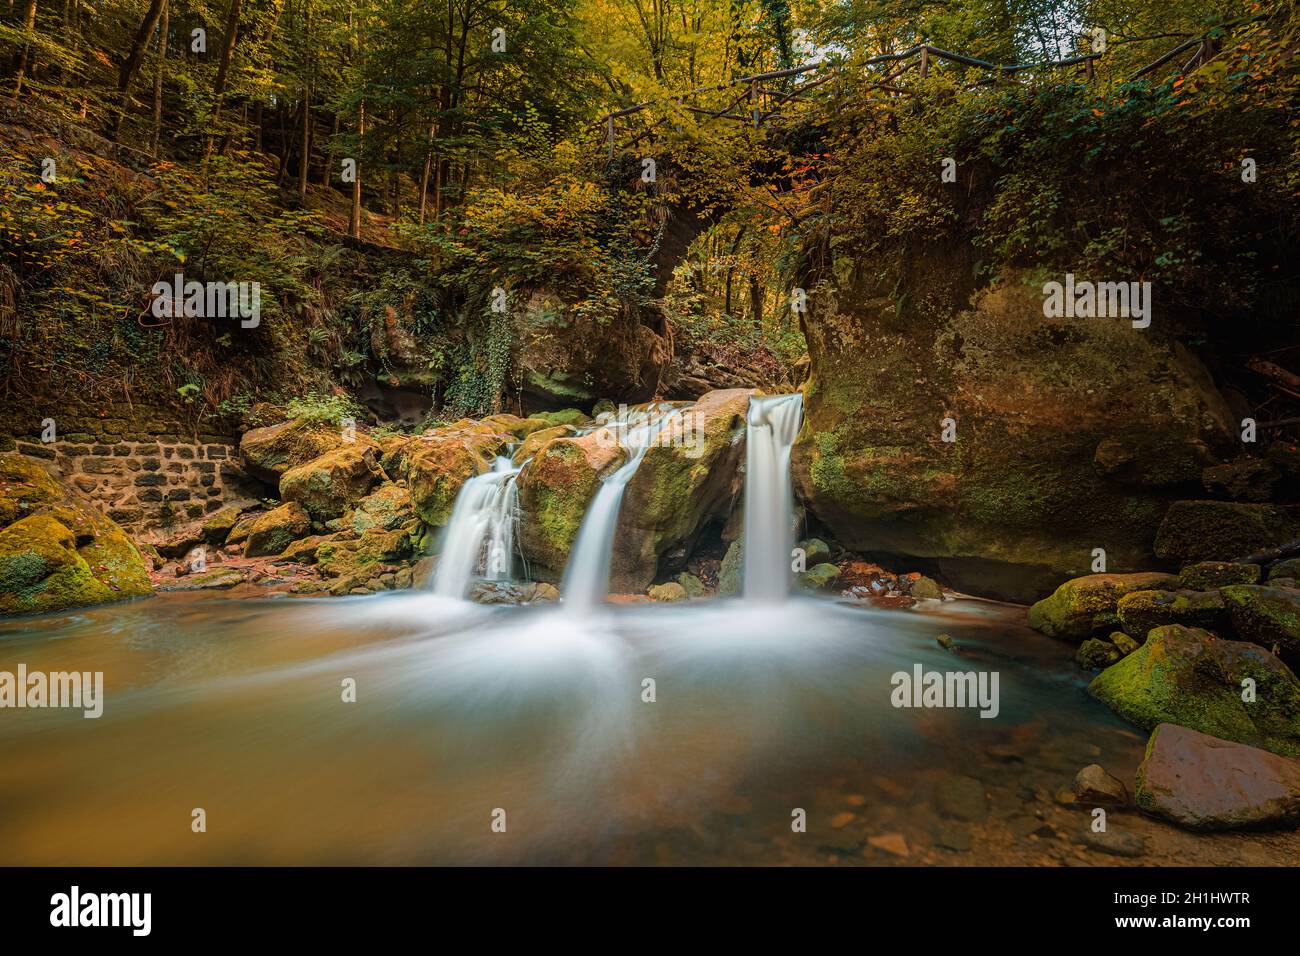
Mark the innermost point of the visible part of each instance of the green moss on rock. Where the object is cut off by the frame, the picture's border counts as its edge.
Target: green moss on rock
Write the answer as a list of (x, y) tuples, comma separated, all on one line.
[(1086, 605), (272, 532), (1140, 611), (1186, 676)]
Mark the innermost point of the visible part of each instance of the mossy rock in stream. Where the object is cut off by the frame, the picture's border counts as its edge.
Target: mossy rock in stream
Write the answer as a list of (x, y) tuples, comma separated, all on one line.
[(267, 453), (555, 490), (1269, 616), (387, 507), (1186, 676), (689, 477), (271, 533), (1208, 575), (1087, 605), (820, 578), (40, 569), (439, 463), (731, 575), (534, 442)]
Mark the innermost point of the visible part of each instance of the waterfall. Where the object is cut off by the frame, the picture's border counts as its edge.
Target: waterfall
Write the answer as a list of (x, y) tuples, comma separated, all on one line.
[(772, 424), (480, 535), (586, 579)]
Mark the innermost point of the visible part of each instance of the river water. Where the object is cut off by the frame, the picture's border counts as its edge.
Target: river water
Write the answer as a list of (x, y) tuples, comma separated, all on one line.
[(759, 711)]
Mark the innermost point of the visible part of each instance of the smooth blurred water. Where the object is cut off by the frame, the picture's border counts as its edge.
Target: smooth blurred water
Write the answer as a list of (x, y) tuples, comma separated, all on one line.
[(771, 426), (480, 534), (586, 578), (235, 706)]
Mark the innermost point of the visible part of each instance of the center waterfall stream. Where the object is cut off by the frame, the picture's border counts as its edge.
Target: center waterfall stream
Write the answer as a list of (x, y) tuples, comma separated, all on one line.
[(601, 733)]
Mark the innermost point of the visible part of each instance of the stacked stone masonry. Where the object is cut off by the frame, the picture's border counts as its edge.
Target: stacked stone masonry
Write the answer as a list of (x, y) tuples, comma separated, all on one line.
[(145, 474)]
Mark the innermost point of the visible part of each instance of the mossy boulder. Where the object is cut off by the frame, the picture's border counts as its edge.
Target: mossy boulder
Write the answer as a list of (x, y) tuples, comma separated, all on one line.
[(1026, 491), (571, 417), (1140, 611), (40, 569), (514, 426), (692, 585), (239, 532), (1126, 645), (1221, 530), (217, 526), (216, 579), (688, 477), (731, 575), (555, 490), (670, 592), (331, 484), (104, 564), (267, 453), (1188, 677), (1086, 605), (820, 578), (534, 442), (272, 532), (389, 506), (1289, 568), (1096, 654), (439, 463), (1208, 575), (1269, 616), (924, 588), (815, 551)]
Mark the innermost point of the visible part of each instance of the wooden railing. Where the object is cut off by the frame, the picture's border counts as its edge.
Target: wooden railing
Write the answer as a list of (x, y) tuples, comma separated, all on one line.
[(920, 57)]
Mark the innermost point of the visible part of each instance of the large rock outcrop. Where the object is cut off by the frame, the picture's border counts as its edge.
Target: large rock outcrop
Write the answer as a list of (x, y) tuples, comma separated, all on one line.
[(57, 551), (567, 358), (689, 476), (1070, 434)]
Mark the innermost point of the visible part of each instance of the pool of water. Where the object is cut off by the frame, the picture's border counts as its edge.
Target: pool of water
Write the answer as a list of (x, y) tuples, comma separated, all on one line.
[(537, 719)]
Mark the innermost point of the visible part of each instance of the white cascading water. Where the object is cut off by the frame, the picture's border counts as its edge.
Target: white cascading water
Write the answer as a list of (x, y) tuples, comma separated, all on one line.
[(480, 535), (772, 424), (586, 579)]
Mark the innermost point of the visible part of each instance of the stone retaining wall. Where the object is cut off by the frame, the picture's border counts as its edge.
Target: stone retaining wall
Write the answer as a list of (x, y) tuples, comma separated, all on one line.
[(143, 471)]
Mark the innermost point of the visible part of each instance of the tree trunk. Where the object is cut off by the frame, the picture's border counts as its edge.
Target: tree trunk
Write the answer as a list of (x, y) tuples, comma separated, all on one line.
[(29, 24), (223, 69), (131, 65), (354, 221), (163, 27), (304, 152), (424, 176), (305, 161)]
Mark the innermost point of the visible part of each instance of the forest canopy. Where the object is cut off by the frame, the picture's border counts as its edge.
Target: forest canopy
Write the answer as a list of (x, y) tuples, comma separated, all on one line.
[(442, 150)]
